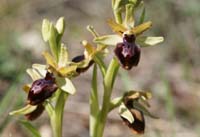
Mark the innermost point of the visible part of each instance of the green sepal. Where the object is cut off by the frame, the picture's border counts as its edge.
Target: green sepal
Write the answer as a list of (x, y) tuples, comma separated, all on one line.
[(33, 74), (142, 17), (67, 71), (129, 18), (53, 41), (141, 108), (23, 111), (50, 60), (63, 56), (111, 40), (42, 69), (66, 85), (115, 102), (125, 113), (138, 30), (145, 41)]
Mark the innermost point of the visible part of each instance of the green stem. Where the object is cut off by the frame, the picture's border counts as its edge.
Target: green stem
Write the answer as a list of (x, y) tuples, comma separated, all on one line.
[(108, 85), (57, 116), (94, 103)]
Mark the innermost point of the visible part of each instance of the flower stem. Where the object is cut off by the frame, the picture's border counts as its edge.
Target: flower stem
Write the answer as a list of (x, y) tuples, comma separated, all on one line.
[(108, 85), (57, 116)]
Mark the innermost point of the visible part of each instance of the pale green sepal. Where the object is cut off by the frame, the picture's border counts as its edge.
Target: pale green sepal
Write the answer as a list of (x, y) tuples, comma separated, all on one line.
[(46, 30), (111, 40), (23, 111), (60, 25), (141, 108), (145, 41), (63, 56), (66, 85), (129, 18), (33, 74), (115, 103), (125, 113), (42, 69), (53, 41)]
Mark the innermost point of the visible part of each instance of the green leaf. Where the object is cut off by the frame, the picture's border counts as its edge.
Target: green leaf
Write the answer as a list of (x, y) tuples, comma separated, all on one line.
[(145, 41), (125, 113), (66, 85), (46, 30), (111, 40), (42, 69), (60, 25), (33, 74), (31, 128), (25, 110)]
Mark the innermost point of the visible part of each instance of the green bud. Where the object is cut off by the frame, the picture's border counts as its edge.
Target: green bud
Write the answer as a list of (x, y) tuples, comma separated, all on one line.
[(46, 30), (60, 25)]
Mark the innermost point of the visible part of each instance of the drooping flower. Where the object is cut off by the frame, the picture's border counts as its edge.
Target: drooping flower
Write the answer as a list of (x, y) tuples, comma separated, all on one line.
[(133, 109)]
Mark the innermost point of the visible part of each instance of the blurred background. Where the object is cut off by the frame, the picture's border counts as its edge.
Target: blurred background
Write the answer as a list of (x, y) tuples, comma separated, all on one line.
[(171, 70)]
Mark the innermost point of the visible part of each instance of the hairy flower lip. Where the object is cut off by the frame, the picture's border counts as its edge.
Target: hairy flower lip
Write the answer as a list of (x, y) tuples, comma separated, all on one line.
[(128, 52), (36, 113), (42, 89)]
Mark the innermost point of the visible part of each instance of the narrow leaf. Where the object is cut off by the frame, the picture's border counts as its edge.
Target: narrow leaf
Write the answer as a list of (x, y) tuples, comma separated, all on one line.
[(31, 128)]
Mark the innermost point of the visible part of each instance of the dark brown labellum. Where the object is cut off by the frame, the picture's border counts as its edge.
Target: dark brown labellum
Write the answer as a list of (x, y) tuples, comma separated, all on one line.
[(42, 89), (128, 52), (138, 126), (79, 59), (36, 113)]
